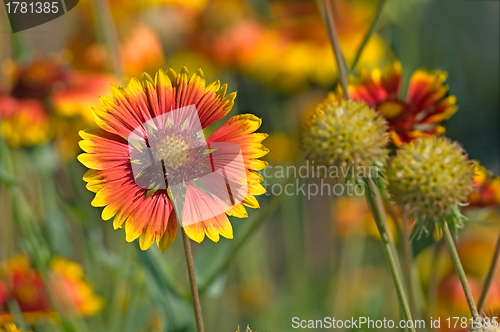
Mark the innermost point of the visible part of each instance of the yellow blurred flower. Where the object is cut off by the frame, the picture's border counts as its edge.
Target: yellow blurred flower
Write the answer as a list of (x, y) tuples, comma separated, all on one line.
[(285, 147), (10, 328)]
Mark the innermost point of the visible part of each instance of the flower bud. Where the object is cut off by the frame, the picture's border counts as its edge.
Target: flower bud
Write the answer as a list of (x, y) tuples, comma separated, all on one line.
[(346, 134), (431, 176)]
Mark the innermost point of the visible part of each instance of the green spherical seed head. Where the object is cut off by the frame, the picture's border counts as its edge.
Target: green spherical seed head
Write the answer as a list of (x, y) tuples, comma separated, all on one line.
[(431, 176), (346, 134)]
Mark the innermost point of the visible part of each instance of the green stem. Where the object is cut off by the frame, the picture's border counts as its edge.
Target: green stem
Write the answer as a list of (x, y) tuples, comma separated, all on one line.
[(334, 39), (433, 280), (5, 53), (107, 26), (408, 263), (390, 210), (489, 276), (459, 269), (371, 31), (374, 202), (192, 282)]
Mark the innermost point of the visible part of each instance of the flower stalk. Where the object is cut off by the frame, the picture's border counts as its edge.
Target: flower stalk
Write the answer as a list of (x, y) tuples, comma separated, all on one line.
[(373, 197), (110, 37), (489, 277), (192, 281), (371, 31), (374, 202), (459, 269), (408, 263), (334, 39)]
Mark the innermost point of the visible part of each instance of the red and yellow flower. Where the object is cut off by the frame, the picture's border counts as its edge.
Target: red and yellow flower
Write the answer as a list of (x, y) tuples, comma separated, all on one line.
[(19, 281), (420, 114), (147, 212)]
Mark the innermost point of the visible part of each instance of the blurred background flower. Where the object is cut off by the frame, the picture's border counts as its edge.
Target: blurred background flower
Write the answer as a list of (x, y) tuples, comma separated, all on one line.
[(37, 294), (315, 256)]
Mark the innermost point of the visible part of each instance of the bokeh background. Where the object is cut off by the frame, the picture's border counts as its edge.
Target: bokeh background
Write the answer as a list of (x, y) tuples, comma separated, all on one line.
[(294, 257)]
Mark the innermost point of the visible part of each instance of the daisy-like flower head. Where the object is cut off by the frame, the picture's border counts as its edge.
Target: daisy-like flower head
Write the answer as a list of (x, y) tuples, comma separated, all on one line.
[(345, 134), (431, 176), (419, 114), (151, 165)]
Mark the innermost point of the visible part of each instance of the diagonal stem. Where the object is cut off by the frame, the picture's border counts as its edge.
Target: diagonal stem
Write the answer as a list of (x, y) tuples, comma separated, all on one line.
[(373, 200), (110, 37), (408, 262), (371, 31), (192, 281), (459, 268), (489, 276), (334, 39), (433, 280)]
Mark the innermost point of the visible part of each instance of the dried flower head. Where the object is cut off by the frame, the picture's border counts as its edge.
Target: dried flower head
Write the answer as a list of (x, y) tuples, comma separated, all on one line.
[(346, 133), (431, 176)]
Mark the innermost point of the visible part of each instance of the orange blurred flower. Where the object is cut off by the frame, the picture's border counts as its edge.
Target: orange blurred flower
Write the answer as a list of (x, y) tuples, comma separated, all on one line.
[(475, 248), (451, 300), (352, 216), (22, 283), (140, 50)]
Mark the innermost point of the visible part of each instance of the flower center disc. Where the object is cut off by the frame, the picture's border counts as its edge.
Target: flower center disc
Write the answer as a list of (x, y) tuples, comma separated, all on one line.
[(181, 152)]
